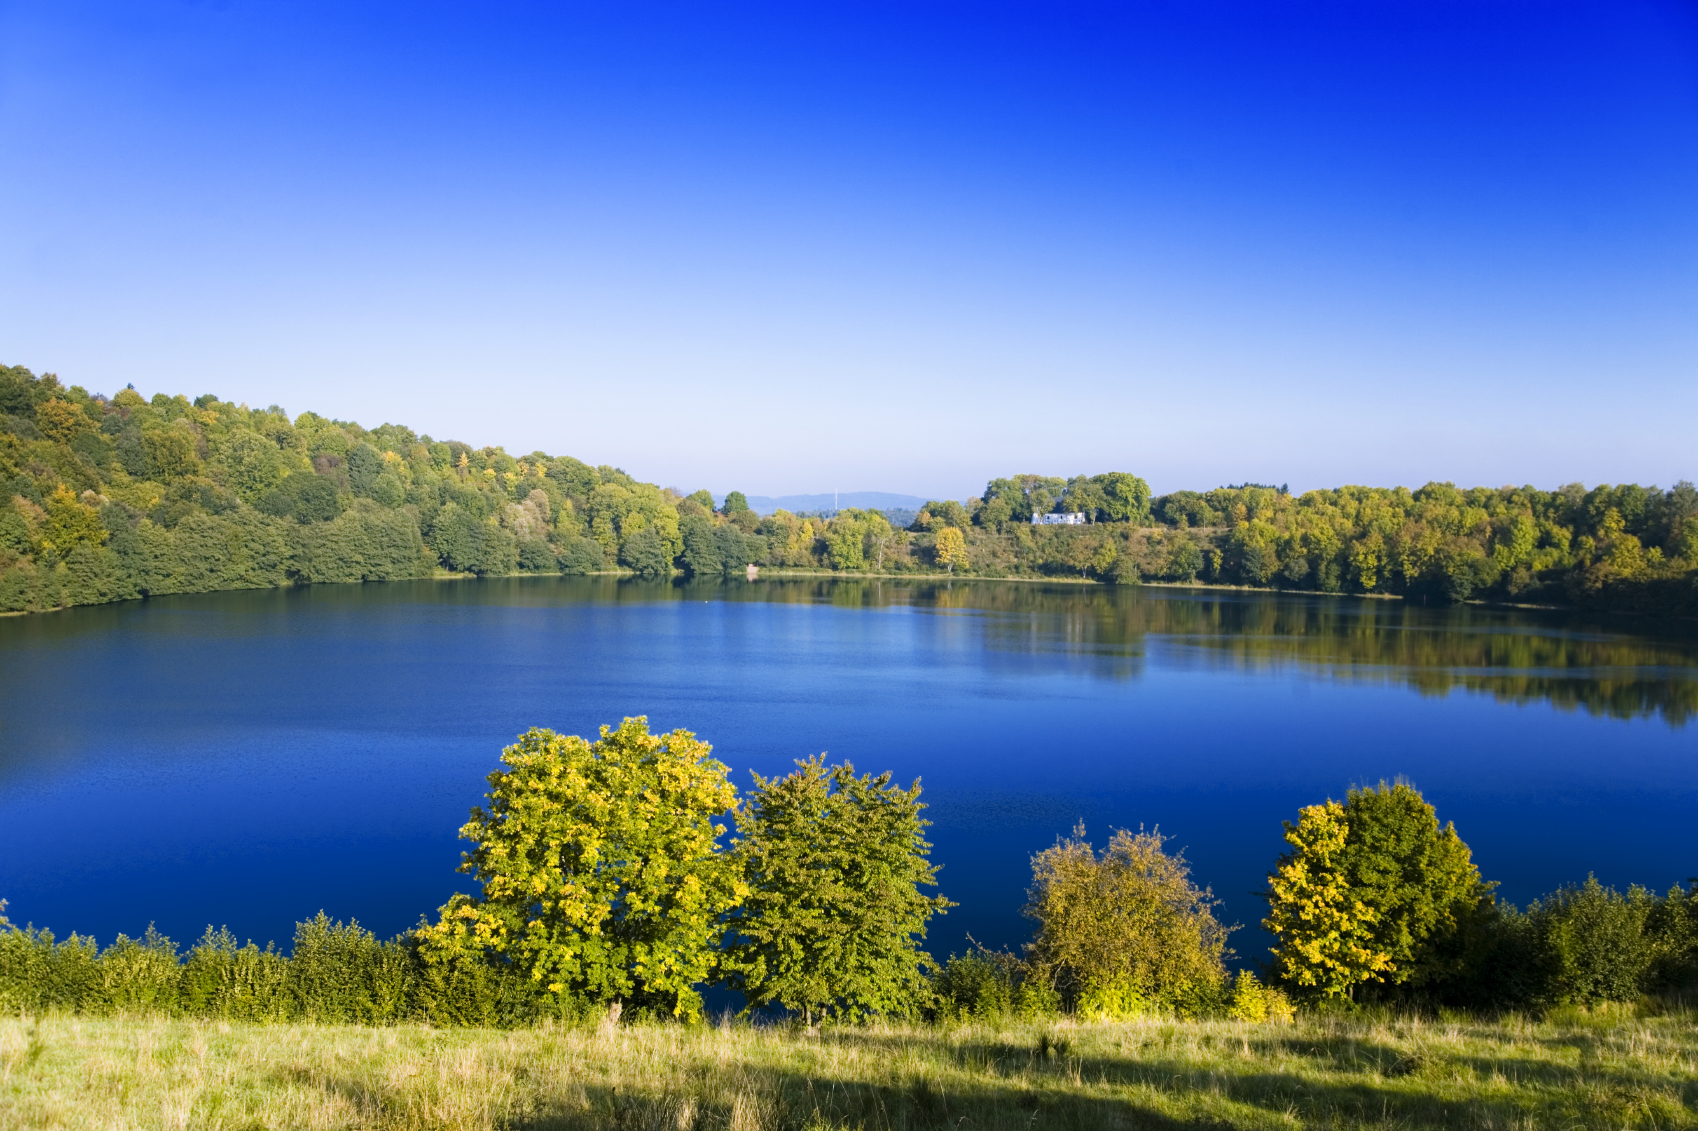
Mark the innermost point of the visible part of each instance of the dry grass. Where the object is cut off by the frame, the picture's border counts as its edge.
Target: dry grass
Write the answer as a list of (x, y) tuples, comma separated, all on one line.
[(1578, 1071)]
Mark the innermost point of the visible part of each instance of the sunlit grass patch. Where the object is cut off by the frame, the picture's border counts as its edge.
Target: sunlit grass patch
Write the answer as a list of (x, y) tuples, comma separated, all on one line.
[(1588, 1070)]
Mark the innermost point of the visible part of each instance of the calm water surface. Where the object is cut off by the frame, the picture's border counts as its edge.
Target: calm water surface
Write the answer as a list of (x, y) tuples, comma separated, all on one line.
[(249, 758)]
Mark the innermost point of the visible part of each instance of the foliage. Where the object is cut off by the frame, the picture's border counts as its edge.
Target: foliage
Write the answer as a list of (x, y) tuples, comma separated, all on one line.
[(833, 916), (601, 879), (112, 498), (992, 985), (1373, 891), (950, 549), (1252, 1001), (1324, 930), (1126, 931), (1583, 944), (1671, 930)]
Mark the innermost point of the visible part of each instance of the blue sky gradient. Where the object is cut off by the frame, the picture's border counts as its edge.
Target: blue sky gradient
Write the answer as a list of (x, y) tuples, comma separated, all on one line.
[(901, 247)]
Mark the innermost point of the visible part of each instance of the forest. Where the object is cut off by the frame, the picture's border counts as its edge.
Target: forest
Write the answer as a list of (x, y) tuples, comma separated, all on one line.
[(115, 498)]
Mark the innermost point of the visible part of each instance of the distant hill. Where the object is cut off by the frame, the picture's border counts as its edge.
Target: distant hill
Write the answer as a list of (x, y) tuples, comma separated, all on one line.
[(866, 500)]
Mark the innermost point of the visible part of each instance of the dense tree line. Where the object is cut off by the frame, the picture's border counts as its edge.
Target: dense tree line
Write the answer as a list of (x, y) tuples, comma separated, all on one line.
[(606, 886), (1624, 546), (106, 499)]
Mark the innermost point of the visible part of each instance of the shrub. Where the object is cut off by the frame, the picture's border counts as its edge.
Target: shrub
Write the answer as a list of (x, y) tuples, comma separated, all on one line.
[(139, 975), (1125, 929), (992, 985), (341, 973), (1671, 929), (1591, 943), (220, 979), (1253, 1001), (38, 974), (1113, 1001)]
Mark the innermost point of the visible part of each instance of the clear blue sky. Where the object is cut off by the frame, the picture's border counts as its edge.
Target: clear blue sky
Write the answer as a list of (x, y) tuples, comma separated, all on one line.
[(898, 246)]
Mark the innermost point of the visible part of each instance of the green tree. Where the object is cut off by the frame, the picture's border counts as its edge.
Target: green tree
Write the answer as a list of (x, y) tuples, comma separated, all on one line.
[(303, 496), (254, 466), (701, 556), (600, 873), (1122, 497), (1184, 559), (1419, 877), (1126, 930), (735, 503), (833, 918), (645, 553), (170, 453), (846, 540)]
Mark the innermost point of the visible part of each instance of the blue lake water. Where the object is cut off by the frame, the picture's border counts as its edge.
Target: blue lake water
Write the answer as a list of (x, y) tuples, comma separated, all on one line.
[(249, 758)]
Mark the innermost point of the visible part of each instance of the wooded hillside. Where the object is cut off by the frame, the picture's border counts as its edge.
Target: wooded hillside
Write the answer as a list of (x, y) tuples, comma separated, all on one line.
[(111, 498)]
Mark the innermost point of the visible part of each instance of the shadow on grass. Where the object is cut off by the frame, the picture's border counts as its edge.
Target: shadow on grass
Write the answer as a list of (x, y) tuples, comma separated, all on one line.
[(790, 1102), (1384, 1085), (1004, 1085)]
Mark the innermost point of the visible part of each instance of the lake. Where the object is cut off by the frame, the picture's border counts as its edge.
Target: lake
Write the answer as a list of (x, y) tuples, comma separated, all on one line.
[(249, 758)]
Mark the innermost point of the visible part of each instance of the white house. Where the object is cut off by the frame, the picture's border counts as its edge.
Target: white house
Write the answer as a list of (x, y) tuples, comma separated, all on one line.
[(1075, 519)]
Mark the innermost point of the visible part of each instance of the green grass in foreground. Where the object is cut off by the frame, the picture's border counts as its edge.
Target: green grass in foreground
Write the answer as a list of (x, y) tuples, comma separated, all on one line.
[(1568, 1072)]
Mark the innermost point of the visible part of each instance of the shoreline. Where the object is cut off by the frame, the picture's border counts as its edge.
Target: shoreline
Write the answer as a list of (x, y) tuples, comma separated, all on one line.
[(842, 575)]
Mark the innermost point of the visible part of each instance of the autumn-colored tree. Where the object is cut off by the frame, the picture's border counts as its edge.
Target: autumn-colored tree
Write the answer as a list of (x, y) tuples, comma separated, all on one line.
[(61, 420), (1374, 890), (601, 876), (833, 919), (1325, 932), (1125, 930), (71, 522), (951, 548)]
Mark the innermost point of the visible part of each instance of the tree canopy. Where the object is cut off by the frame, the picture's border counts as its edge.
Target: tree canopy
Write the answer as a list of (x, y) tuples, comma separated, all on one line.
[(834, 915), (205, 494), (601, 875), (1126, 930), (1373, 890)]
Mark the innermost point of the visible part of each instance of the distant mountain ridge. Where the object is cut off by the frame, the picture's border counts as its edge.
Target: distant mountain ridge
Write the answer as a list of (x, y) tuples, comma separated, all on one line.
[(843, 500)]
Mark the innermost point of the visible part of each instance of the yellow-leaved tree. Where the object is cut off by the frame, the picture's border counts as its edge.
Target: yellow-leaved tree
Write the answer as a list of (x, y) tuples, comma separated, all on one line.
[(602, 879), (1325, 933), (950, 548)]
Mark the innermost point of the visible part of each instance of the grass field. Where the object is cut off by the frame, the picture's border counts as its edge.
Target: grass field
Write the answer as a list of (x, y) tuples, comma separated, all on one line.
[(1566, 1072)]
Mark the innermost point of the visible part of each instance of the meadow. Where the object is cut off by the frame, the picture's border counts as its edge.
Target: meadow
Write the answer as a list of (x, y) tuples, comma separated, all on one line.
[(1611, 1068)]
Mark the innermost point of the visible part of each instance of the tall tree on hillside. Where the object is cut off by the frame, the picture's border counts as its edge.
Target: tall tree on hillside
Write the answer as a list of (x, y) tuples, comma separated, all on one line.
[(950, 550)]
